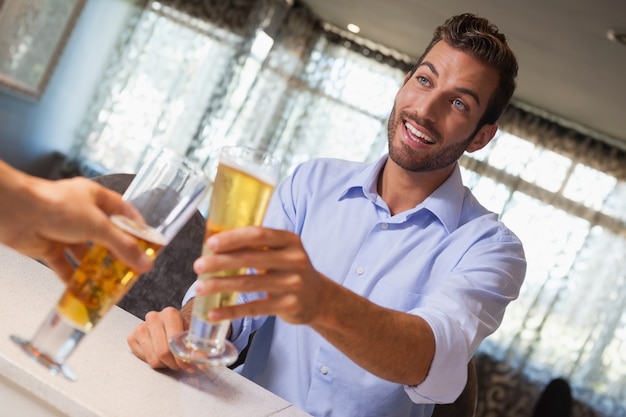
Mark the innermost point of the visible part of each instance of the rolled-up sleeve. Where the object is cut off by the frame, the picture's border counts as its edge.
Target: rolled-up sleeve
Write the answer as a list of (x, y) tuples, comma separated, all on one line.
[(466, 306)]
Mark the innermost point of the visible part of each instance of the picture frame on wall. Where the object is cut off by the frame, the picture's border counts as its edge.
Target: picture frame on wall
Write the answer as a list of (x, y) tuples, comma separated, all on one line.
[(33, 34)]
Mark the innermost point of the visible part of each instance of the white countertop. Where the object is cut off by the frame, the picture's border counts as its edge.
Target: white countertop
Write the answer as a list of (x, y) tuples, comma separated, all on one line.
[(111, 380)]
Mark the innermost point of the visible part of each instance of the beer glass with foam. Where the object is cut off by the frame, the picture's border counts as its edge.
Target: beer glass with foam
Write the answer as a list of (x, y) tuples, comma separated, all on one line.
[(165, 193), (242, 189)]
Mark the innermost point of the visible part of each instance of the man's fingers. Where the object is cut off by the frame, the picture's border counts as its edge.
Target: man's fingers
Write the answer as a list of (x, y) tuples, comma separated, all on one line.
[(173, 325), (286, 305), (134, 341), (155, 348), (269, 282), (250, 236), (161, 326)]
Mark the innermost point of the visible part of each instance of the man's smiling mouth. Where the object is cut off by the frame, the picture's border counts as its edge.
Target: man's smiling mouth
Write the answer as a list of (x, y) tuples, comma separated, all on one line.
[(416, 135)]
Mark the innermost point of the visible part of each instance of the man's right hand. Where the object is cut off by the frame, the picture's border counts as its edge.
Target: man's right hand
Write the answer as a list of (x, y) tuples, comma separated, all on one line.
[(149, 341)]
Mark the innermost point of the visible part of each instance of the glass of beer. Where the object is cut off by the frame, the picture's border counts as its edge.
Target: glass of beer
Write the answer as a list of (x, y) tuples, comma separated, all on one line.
[(242, 189), (164, 194)]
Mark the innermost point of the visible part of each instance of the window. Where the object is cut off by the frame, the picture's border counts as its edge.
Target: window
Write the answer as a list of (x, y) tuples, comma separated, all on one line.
[(156, 89), (569, 318)]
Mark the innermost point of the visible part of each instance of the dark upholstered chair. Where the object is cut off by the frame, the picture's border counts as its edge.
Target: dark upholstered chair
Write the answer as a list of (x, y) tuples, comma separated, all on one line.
[(555, 400), (465, 405), (166, 284)]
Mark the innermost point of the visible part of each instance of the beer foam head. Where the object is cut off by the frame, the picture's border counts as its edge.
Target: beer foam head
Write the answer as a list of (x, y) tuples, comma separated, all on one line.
[(265, 173), (136, 229)]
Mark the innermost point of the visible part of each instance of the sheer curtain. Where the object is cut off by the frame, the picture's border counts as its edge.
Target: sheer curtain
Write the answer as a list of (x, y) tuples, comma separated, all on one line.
[(300, 94), (188, 82), (173, 59), (564, 194), (195, 75)]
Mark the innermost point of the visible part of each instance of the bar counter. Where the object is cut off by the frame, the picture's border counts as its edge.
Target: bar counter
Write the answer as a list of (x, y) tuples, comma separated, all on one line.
[(111, 380)]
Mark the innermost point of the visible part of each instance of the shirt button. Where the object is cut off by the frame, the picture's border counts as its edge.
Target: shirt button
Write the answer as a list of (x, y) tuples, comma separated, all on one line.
[(360, 270), (384, 226), (324, 370)]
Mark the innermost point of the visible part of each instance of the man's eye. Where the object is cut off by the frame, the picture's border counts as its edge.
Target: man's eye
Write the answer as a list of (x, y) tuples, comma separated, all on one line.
[(459, 104), (422, 80)]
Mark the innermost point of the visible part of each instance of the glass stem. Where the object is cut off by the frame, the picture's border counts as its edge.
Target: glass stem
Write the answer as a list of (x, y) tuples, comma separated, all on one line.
[(57, 338), (206, 335)]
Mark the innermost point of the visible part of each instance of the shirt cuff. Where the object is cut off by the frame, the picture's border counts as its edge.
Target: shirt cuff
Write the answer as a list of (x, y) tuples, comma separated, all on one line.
[(191, 292), (447, 375)]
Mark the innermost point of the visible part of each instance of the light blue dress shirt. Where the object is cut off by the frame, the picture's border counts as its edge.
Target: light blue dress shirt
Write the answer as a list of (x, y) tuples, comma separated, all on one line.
[(448, 260)]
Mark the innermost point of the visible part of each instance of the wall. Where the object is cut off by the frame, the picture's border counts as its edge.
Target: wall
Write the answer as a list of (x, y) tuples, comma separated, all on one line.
[(32, 130)]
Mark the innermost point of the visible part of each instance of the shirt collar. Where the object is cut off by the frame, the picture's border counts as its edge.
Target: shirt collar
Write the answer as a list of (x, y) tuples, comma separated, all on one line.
[(365, 182), (446, 202)]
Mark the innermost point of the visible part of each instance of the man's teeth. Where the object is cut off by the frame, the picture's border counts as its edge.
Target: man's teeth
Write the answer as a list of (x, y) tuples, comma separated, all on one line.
[(417, 133)]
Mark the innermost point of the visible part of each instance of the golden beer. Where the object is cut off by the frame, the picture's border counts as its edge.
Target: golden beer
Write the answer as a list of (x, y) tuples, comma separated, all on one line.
[(164, 194), (101, 280), (239, 199)]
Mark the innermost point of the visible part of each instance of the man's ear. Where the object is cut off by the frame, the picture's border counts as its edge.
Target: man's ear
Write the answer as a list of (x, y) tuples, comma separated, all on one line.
[(482, 137)]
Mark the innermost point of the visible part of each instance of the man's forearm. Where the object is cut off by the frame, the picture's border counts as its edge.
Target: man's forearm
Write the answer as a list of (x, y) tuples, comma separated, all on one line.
[(393, 345)]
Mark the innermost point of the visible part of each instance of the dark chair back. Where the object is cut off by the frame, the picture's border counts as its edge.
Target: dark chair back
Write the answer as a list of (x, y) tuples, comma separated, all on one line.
[(166, 284), (555, 400)]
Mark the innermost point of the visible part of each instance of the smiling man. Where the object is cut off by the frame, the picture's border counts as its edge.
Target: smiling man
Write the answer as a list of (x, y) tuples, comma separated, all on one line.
[(379, 280)]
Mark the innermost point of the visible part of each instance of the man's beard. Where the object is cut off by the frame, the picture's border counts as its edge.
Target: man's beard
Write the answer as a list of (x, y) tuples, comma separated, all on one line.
[(422, 161)]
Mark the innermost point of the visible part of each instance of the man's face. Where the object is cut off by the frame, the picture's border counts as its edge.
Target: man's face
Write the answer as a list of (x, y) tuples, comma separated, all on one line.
[(437, 110)]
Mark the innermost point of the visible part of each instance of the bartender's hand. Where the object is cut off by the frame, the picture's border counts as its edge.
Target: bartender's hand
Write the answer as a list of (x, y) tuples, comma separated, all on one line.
[(46, 219), (149, 341), (294, 290)]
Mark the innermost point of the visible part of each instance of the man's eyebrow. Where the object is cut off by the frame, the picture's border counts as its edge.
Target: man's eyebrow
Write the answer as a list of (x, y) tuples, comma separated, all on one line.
[(461, 90), (469, 93), (431, 66)]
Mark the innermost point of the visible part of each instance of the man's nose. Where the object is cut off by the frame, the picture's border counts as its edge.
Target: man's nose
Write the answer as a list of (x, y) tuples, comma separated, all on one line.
[(429, 107)]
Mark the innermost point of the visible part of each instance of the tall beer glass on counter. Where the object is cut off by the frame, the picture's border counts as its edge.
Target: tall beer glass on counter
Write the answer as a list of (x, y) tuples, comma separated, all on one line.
[(164, 194), (242, 189)]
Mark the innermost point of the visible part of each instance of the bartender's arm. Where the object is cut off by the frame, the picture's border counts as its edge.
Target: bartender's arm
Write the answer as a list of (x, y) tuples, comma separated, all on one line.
[(44, 219)]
